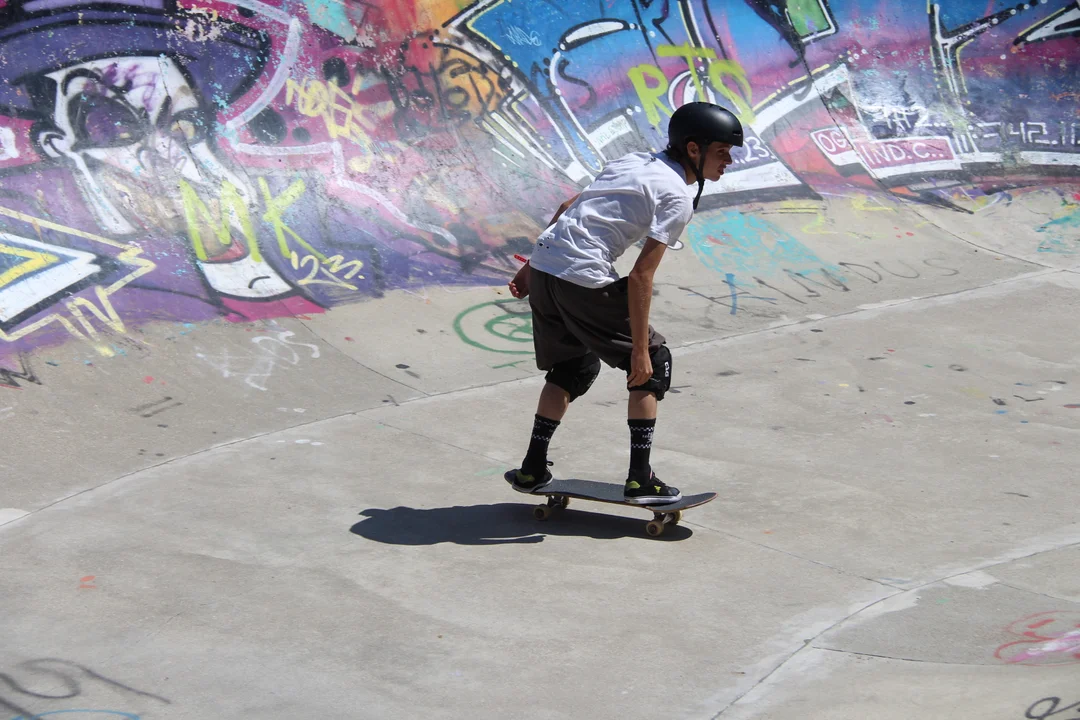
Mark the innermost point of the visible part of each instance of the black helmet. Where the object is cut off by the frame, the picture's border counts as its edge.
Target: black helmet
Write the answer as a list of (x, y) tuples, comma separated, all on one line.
[(703, 123)]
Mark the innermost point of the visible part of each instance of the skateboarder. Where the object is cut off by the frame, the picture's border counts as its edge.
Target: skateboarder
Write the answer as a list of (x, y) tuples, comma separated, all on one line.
[(584, 313)]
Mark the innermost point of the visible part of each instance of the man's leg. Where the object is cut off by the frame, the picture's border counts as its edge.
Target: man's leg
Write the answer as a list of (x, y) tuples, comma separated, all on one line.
[(599, 319), (641, 417), (571, 369), (549, 413), (642, 486), (566, 381), (554, 402), (642, 405)]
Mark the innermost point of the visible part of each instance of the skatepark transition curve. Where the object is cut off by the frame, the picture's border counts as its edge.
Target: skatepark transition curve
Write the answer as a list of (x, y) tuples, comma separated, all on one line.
[(226, 222)]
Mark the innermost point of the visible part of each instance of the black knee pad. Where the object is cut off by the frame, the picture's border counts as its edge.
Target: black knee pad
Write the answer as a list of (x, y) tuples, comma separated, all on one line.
[(575, 376), (660, 382)]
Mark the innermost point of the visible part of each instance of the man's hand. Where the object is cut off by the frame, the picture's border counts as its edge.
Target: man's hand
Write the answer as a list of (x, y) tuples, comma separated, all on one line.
[(641, 368), (519, 286)]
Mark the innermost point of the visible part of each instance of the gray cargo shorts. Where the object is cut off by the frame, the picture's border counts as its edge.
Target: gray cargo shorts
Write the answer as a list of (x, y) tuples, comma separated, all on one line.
[(570, 321)]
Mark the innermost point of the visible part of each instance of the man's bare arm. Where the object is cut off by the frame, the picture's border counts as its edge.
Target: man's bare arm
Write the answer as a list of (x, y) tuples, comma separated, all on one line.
[(563, 208)]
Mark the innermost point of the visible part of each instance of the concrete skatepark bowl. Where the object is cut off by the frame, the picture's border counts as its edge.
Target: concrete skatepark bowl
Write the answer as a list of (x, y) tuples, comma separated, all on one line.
[(260, 374)]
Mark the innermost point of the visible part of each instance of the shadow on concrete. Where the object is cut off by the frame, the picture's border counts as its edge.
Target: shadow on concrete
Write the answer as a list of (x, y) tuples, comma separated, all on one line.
[(498, 525)]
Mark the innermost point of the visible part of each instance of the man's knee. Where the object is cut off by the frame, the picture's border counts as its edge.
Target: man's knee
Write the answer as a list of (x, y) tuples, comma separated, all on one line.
[(660, 382), (576, 375)]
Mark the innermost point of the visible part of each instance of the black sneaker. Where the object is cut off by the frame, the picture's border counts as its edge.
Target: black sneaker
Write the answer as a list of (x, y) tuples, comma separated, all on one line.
[(650, 492), (527, 483)]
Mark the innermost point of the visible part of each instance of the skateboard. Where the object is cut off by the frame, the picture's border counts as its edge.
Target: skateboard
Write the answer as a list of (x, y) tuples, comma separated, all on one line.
[(559, 492)]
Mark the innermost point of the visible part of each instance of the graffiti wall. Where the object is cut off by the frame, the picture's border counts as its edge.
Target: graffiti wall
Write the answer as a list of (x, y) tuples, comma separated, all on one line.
[(260, 158)]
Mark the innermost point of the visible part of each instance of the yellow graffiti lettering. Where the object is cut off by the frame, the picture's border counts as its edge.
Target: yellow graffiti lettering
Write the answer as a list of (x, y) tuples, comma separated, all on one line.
[(316, 268), (863, 204), (106, 313), (319, 263), (361, 164), (34, 260), (650, 96), (340, 113), (196, 10), (310, 98), (819, 226), (337, 263), (232, 211), (798, 207), (275, 206), (341, 103), (719, 71), (299, 262), (292, 91), (130, 257), (689, 53)]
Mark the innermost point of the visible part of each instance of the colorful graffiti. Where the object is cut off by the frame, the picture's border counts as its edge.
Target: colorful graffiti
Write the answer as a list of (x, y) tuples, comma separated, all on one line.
[(262, 158), (1050, 638)]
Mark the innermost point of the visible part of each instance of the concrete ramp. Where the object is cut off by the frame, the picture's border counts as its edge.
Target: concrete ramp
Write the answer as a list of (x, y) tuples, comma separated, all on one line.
[(260, 374)]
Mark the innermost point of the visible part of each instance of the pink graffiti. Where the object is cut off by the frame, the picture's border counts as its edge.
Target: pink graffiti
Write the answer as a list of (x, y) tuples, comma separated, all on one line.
[(242, 311), (1050, 638)]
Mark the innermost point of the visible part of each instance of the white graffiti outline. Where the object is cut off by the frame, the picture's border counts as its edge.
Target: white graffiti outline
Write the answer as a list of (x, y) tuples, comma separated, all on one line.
[(263, 9), (262, 369), (281, 75)]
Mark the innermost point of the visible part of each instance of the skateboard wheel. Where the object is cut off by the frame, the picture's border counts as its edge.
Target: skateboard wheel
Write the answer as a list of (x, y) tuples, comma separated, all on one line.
[(655, 528), (676, 517), (541, 512), (563, 502)]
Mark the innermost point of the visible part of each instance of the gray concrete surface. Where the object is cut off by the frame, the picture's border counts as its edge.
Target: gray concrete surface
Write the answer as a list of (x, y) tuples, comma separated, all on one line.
[(306, 518)]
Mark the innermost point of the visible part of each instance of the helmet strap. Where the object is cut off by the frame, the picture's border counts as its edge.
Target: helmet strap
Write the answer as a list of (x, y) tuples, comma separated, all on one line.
[(700, 172)]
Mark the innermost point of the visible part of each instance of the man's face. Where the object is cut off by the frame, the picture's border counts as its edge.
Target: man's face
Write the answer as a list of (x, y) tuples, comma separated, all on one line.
[(133, 128), (717, 158)]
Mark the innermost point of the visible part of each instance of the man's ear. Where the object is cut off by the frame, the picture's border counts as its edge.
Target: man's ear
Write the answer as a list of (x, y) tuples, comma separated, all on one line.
[(51, 141), (693, 151)]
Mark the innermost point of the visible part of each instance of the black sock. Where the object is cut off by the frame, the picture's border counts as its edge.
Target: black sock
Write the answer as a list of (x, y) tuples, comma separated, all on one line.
[(535, 461), (641, 434)]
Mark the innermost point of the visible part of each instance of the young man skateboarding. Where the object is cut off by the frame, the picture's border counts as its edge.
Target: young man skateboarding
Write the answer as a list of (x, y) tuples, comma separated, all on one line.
[(583, 312)]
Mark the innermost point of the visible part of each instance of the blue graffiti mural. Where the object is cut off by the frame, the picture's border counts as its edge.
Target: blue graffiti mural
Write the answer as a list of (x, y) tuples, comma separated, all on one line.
[(250, 160), (1062, 234), (746, 244)]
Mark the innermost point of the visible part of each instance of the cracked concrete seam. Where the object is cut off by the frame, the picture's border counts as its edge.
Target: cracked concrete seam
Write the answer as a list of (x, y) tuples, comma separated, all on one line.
[(901, 659), (355, 360), (964, 240), (801, 558), (809, 643)]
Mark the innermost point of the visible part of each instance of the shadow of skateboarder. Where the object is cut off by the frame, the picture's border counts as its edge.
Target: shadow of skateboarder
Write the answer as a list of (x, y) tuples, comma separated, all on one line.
[(498, 524)]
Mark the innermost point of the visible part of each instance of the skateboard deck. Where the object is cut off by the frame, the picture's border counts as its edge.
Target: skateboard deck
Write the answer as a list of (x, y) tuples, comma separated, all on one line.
[(559, 492)]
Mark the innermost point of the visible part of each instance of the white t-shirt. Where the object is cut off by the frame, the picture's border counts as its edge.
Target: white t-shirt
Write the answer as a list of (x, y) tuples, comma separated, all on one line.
[(637, 196)]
